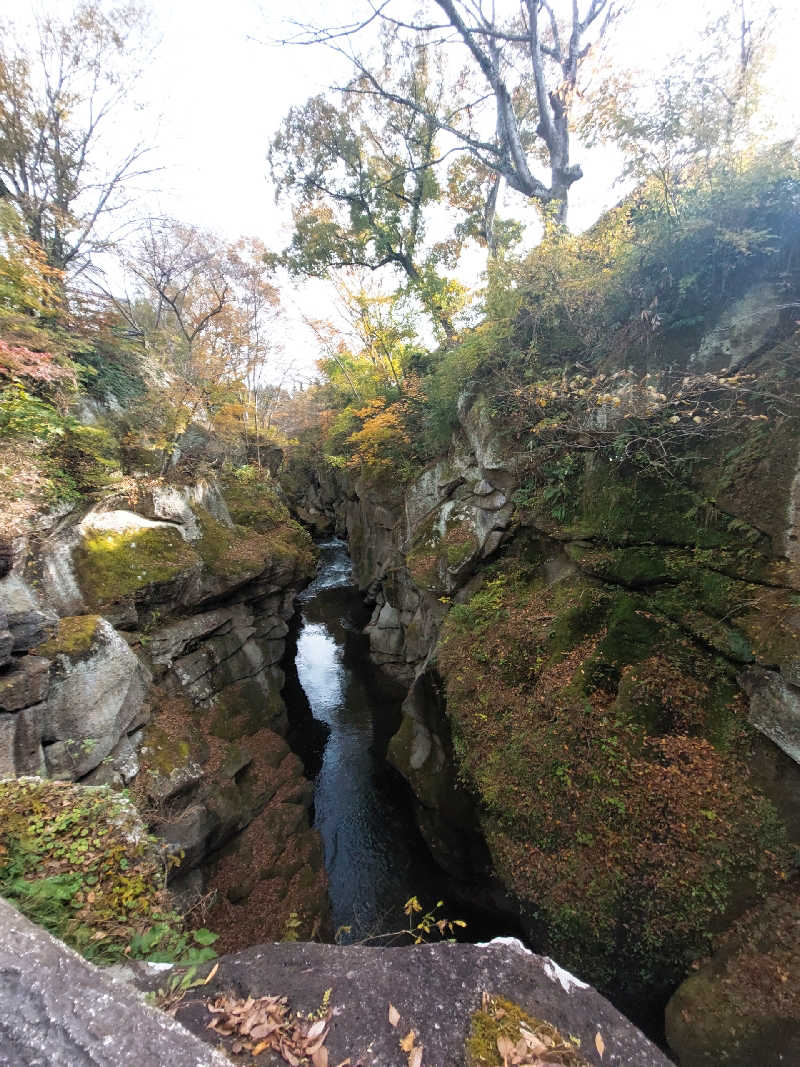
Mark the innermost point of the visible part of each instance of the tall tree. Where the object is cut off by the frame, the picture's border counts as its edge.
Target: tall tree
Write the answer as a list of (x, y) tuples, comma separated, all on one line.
[(58, 97), (702, 111), (362, 180), (525, 65)]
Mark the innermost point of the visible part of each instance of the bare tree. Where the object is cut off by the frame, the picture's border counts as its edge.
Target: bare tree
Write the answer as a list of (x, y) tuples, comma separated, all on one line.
[(57, 99), (526, 64)]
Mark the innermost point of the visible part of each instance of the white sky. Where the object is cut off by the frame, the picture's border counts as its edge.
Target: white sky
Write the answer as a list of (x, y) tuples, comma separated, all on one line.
[(213, 97)]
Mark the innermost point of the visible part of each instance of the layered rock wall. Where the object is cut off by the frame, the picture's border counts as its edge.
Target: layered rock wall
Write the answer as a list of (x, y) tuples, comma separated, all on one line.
[(141, 641)]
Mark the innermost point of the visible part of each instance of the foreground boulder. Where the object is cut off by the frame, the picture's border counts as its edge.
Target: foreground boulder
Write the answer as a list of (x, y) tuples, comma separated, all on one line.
[(55, 1008), (436, 989)]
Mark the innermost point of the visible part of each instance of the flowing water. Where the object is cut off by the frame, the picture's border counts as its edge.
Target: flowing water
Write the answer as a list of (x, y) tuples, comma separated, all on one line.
[(374, 855)]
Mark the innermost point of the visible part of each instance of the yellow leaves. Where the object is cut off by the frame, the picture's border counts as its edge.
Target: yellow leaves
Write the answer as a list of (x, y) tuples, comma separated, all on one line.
[(394, 1015), (407, 1043), (412, 1049), (599, 1044)]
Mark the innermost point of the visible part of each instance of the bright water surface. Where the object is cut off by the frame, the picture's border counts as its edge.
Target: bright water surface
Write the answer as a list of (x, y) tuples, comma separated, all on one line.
[(374, 855)]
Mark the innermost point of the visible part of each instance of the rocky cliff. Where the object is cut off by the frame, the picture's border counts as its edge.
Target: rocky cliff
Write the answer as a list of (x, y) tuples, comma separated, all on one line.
[(141, 639), (601, 656)]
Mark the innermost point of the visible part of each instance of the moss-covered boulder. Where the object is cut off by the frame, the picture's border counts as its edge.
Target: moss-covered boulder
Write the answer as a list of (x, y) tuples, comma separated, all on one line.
[(607, 749), (97, 694), (743, 1005), (136, 559)]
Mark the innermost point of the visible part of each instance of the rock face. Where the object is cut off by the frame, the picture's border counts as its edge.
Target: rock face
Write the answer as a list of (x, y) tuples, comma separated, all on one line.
[(743, 1006), (652, 620), (162, 673), (434, 988), (57, 1009)]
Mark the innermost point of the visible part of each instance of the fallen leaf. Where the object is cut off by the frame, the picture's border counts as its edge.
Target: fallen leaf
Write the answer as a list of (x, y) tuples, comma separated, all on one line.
[(211, 974), (506, 1048), (599, 1043), (415, 1057), (320, 1058), (408, 1041), (394, 1015), (316, 1029)]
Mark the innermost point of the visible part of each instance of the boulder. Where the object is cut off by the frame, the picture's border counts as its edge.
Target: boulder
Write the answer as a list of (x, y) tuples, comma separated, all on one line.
[(743, 1006), (97, 695), (22, 615), (434, 988), (57, 1009), (21, 742), (774, 708), (25, 684)]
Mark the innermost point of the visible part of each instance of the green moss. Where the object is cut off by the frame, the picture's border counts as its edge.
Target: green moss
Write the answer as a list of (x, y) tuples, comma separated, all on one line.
[(162, 754), (243, 709), (253, 498), (619, 508), (501, 1018), (77, 861), (88, 456), (434, 552), (606, 748), (114, 565), (73, 638)]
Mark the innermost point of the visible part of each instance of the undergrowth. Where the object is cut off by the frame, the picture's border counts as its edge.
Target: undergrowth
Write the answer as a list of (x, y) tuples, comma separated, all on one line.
[(75, 860)]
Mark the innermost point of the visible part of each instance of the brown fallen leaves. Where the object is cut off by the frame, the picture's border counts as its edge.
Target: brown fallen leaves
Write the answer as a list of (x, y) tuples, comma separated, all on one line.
[(262, 1024), (408, 1043), (536, 1044)]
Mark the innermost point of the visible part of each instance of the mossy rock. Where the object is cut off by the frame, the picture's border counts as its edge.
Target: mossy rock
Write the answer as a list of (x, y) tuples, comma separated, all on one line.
[(597, 736), (74, 637), (502, 1023), (743, 1006), (243, 709), (253, 498), (437, 551), (112, 566), (89, 456)]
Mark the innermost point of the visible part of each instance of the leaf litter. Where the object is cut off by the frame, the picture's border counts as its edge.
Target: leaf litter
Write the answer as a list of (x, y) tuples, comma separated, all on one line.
[(264, 1024)]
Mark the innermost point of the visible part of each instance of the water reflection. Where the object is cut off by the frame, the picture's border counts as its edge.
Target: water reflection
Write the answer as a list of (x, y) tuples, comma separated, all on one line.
[(373, 853)]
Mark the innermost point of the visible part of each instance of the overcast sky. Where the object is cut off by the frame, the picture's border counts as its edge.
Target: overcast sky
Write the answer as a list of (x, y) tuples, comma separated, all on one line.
[(214, 92)]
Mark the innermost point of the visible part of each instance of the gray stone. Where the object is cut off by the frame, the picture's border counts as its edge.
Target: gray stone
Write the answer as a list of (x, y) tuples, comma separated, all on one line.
[(6, 646), (119, 767), (169, 642), (30, 628), (21, 742), (189, 833), (94, 699), (435, 988), (774, 708), (744, 328), (25, 684), (57, 1010)]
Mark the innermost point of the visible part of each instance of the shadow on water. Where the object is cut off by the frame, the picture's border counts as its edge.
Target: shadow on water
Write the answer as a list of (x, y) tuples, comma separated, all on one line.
[(343, 715)]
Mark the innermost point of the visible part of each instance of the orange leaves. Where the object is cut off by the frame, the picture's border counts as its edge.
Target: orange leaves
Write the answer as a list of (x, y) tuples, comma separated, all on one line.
[(259, 1025)]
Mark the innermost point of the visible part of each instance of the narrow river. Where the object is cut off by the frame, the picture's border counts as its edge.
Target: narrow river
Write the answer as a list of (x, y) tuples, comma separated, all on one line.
[(374, 854)]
